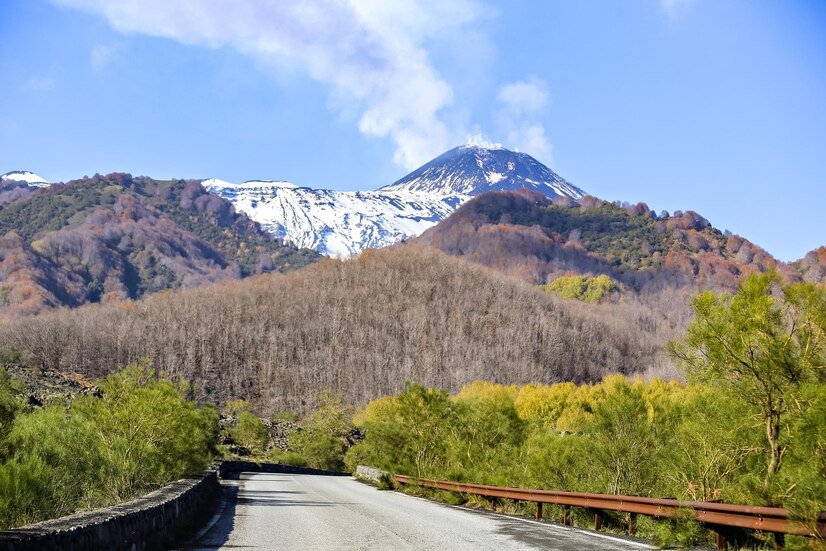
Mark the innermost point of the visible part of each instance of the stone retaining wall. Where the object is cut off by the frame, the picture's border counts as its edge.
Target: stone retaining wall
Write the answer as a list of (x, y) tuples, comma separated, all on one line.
[(148, 522)]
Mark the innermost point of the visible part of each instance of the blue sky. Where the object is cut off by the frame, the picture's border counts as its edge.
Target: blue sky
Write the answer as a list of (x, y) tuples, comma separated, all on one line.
[(713, 105)]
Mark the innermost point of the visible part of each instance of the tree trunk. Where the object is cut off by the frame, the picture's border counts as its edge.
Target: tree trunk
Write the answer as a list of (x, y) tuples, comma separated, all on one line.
[(772, 434)]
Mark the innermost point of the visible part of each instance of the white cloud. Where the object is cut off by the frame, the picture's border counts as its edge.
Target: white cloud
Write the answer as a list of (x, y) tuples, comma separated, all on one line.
[(525, 96), (674, 7), (40, 84), (100, 56), (531, 139), (521, 105), (371, 52)]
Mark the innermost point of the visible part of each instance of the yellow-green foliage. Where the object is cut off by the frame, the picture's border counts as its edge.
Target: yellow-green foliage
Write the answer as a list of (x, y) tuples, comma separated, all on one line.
[(321, 442), (582, 288), (767, 343), (542, 403), (767, 346), (483, 391), (622, 435), (249, 430), (322, 437), (142, 433), (380, 408)]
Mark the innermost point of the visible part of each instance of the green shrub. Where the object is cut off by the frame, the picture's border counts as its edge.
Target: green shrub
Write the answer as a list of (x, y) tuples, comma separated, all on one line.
[(249, 431), (355, 456), (10, 402), (287, 458), (681, 531), (152, 434), (142, 433), (322, 438), (386, 482), (621, 436), (24, 492), (66, 445)]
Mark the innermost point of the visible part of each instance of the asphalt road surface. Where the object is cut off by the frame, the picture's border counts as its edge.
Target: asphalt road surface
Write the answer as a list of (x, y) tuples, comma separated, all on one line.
[(307, 512)]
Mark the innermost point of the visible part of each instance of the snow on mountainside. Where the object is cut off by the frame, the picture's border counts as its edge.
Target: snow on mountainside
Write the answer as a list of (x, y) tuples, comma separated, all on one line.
[(347, 222), (473, 170), (334, 222), (24, 176)]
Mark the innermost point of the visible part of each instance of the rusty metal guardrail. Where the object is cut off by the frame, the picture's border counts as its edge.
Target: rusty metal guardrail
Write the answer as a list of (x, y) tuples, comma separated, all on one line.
[(717, 516)]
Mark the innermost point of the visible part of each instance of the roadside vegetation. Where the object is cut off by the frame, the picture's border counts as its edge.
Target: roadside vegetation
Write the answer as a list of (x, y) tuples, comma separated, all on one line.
[(748, 426), (136, 434), (318, 440)]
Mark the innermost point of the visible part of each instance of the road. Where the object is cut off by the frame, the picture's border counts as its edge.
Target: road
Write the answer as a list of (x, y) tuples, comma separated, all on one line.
[(280, 511)]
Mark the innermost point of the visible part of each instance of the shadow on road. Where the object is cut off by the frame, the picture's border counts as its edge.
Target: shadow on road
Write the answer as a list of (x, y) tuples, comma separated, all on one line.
[(218, 534), (236, 498)]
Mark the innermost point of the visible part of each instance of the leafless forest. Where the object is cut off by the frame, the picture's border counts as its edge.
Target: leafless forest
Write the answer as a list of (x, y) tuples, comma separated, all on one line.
[(361, 327)]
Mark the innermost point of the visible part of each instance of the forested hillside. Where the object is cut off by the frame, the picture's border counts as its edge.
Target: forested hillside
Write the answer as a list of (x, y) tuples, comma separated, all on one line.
[(537, 239), (361, 327), (813, 266), (11, 191), (116, 237)]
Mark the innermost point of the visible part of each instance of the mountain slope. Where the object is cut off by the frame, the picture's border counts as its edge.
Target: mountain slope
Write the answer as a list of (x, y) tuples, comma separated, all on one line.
[(345, 223), (535, 238), (360, 327), (12, 190), (334, 222), (813, 265), (473, 170), (114, 237)]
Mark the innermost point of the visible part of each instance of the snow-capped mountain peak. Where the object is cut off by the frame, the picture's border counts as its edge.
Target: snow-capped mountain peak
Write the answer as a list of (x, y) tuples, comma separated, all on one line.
[(472, 169), (24, 176), (347, 222)]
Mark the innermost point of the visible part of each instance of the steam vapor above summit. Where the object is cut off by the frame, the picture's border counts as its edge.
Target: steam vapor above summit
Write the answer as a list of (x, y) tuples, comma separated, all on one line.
[(372, 56)]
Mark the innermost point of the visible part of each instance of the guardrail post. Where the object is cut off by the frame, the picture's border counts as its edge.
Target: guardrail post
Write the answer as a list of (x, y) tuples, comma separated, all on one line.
[(597, 520), (721, 540), (566, 511), (632, 524), (779, 540), (538, 510)]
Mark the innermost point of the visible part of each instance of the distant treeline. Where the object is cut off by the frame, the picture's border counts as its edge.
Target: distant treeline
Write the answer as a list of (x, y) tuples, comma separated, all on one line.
[(359, 327), (536, 239)]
